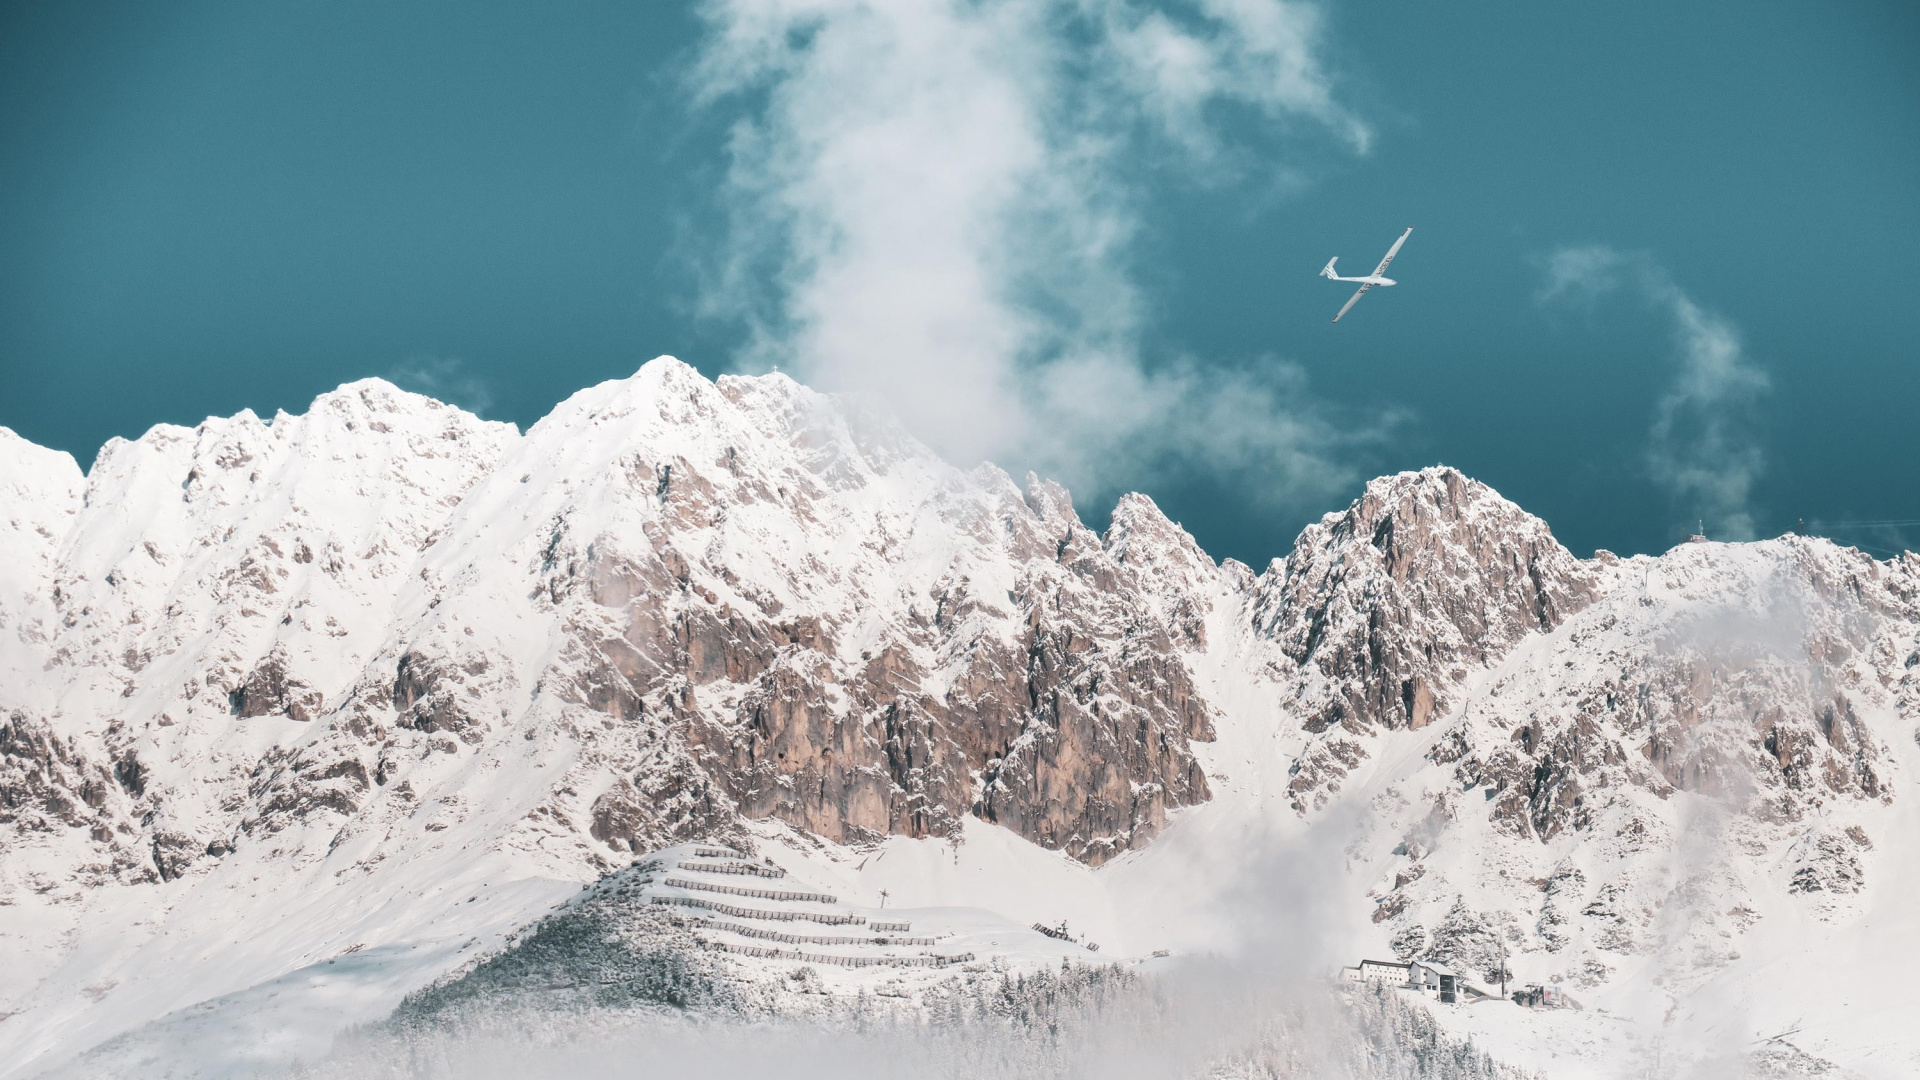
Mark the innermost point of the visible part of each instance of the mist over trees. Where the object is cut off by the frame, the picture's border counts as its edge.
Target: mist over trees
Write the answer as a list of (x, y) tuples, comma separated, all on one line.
[(600, 988)]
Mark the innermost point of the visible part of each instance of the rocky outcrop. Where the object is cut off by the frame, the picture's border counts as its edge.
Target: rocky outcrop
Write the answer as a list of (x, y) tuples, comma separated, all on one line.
[(272, 690), (58, 800), (48, 783), (1384, 610)]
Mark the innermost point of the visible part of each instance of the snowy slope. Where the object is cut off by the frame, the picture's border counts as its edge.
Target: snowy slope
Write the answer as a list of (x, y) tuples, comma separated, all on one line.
[(304, 714), (39, 496)]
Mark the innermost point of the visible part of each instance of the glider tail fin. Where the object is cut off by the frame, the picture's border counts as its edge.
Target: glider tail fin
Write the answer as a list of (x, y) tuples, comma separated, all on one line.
[(1327, 271)]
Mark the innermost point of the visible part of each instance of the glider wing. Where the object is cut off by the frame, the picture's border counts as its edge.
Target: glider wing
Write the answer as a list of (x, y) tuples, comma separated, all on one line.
[(1392, 251), (1355, 298)]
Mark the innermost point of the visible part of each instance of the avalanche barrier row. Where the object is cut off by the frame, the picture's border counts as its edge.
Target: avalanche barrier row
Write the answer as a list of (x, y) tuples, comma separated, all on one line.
[(755, 913), (844, 961), (812, 939), (758, 894), (733, 868)]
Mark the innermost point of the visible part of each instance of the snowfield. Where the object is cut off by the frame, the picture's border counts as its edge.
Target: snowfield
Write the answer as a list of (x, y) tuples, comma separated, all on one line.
[(310, 717)]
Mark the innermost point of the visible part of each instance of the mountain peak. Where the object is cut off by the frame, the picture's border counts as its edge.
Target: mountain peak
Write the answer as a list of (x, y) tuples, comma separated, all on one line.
[(1142, 536), (1391, 604), (372, 397), (1049, 501)]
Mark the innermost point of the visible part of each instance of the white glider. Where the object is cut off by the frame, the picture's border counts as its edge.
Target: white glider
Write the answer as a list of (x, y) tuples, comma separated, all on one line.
[(1371, 279)]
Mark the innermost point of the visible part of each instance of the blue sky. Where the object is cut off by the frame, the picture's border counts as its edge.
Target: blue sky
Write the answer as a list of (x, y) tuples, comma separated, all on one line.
[(1041, 242)]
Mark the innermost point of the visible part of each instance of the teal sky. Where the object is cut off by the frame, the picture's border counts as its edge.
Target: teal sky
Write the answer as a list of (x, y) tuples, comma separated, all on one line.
[(210, 207)]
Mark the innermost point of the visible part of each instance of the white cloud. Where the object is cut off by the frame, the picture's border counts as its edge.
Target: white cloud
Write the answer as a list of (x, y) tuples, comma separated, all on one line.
[(943, 194), (1255, 52), (1701, 447)]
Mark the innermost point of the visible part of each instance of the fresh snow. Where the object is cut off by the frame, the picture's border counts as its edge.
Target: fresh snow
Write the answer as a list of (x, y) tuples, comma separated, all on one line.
[(404, 520)]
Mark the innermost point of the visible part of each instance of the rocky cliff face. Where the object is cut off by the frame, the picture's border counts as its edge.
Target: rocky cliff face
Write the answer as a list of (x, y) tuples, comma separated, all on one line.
[(811, 619)]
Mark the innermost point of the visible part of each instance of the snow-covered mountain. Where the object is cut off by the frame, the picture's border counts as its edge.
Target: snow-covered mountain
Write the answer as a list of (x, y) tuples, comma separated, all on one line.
[(302, 715)]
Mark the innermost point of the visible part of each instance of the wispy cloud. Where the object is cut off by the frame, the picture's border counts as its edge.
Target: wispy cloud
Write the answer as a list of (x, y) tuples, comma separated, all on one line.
[(1702, 446), (944, 195), (446, 378)]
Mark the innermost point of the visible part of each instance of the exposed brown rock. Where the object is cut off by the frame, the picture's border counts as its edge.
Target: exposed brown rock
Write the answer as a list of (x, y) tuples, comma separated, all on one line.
[(1074, 733), (427, 695), (271, 690), (45, 781)]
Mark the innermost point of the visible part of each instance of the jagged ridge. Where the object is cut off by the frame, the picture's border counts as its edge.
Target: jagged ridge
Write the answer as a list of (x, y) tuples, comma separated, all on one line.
[(337, 641)]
